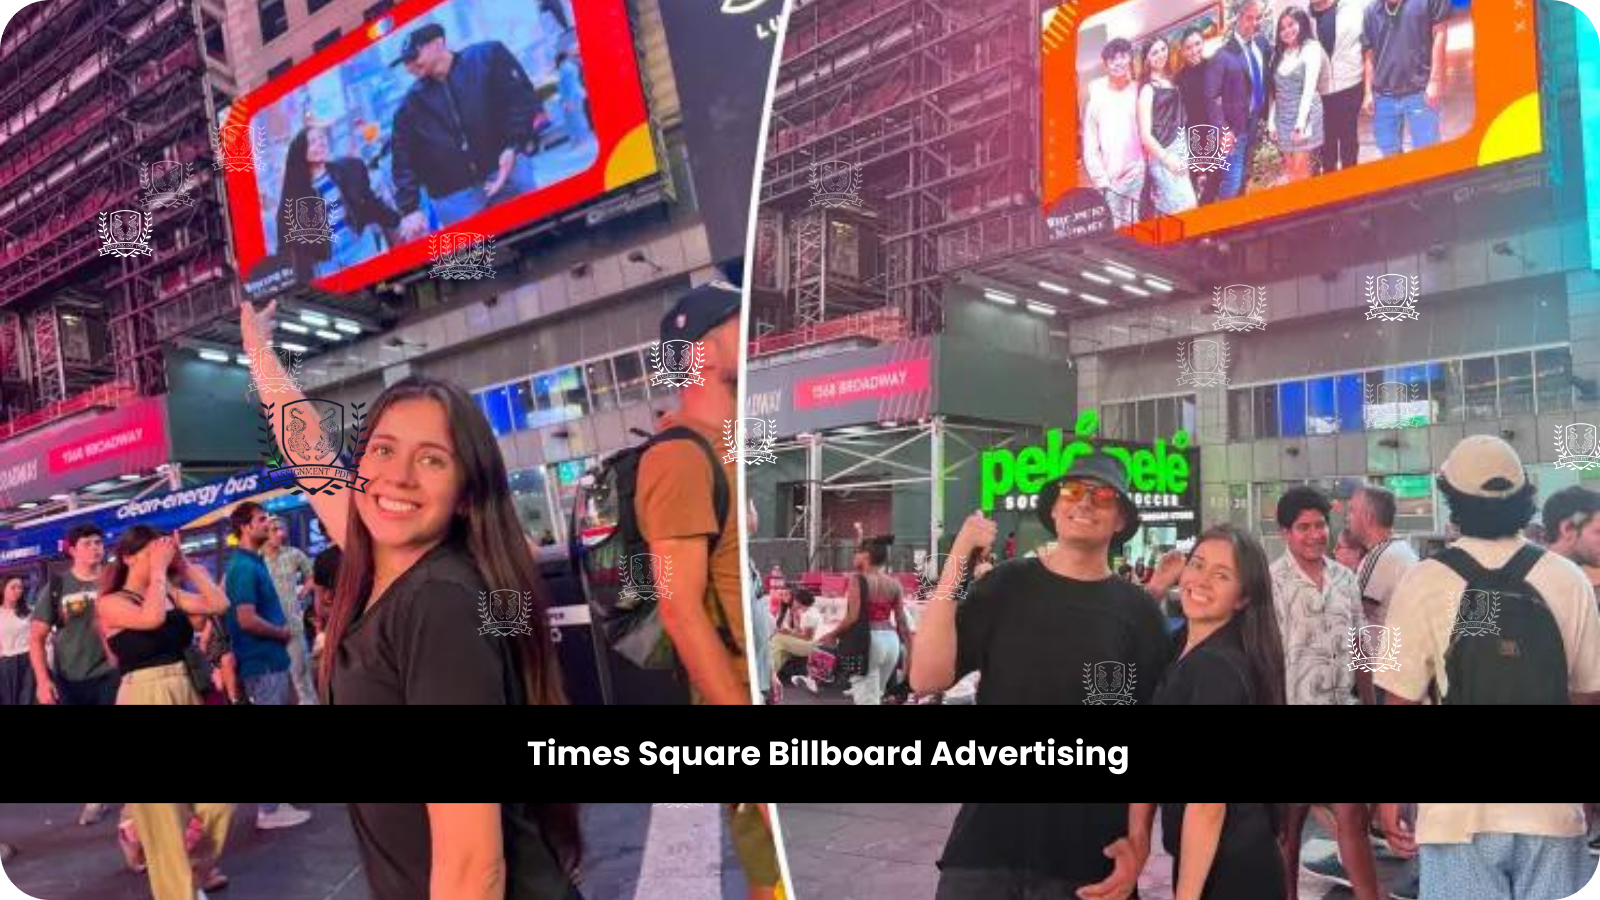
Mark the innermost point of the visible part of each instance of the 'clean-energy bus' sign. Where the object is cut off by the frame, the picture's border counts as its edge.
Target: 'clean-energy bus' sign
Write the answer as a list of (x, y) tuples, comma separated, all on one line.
[(1159, 475)]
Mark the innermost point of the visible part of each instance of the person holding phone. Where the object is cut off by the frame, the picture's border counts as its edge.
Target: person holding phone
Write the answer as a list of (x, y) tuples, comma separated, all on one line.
[(144, 616)]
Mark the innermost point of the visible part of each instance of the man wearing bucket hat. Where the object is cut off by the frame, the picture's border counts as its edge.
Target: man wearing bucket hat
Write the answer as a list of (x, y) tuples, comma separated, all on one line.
[(1492, 618), (1061, 628)]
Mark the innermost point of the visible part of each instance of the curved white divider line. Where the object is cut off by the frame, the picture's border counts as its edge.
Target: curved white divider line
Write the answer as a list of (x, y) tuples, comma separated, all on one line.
[(1591, 891), (9, 891)]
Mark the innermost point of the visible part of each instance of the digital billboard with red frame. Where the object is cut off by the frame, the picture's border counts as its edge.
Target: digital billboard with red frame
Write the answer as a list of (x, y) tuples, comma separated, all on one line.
[(444, 116)]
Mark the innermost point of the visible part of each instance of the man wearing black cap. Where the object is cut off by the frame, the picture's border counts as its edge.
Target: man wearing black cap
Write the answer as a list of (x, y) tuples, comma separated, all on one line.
[(1057, 629), (460, 128), (701, 606), (1492, 618)]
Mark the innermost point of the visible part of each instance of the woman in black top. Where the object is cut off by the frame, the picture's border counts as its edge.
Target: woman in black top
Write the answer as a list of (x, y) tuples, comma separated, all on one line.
[(1223, 851), (1230, 650), (469, 851), (310, 160), (438, 599), (1163, 130), (145, 616)]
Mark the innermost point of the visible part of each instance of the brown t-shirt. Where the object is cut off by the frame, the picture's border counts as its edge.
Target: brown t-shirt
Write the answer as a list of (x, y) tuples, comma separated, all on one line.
[(674, 500)]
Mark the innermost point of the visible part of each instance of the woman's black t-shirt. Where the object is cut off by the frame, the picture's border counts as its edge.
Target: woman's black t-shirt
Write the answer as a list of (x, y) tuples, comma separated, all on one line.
[(397, 849), (1247, 865), (1065, 841), (1216, 672), (424, 642), (1039, 637)]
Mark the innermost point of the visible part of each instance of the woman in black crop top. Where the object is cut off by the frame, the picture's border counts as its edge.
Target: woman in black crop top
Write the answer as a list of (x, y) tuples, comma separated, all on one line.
[(482, 851), (144, 616)]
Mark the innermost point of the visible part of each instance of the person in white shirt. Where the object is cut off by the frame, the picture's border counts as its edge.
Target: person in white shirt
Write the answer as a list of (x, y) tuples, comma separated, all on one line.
[(1113, 152), (16, 672), (1338, 27), (1490, 500), (1371, 520), (1319, 608), (1471, 850)]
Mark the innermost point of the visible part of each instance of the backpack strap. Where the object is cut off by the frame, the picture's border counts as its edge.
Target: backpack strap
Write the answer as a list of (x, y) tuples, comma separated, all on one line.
[(1521, 563), (719, 478), (1463, 564), (1513, 572)]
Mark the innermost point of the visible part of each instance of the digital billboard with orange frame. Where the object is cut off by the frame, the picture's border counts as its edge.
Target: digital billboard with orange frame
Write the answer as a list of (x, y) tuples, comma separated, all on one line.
[(441, 119), (1193, 116)]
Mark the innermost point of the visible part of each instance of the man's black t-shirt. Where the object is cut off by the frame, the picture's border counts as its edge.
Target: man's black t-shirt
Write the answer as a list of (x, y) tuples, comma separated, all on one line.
[(1401, 41), (396, 850), (1039, 637), (1058, 840)]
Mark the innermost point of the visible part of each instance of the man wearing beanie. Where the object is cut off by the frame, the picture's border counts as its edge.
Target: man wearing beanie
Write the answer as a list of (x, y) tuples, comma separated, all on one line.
[(1060, 628), (1536, 622), (1572, 528), (701, 605)]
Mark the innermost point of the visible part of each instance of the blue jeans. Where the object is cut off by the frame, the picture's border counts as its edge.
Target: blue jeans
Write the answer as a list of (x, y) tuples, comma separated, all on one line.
[(1496, 866), (463, 204), (1411, 113), (271, 689), (1237, 174)]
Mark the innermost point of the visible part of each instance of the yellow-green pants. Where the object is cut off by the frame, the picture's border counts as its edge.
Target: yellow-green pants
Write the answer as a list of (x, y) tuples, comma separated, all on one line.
[(753, 842), (161, 827)]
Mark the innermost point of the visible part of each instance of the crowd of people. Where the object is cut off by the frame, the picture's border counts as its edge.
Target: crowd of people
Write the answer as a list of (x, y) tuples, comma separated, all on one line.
[(1302, 87), (411, 851), (1493, 618), (1219, 851)]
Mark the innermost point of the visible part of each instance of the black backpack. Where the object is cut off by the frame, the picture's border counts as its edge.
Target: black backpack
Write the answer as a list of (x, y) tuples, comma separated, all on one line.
[(605, 536), (1505, 646)]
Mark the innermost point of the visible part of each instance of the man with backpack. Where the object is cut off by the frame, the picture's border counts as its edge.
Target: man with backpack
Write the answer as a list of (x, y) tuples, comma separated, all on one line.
[(1492, 618), (64, 605), (682, 501)]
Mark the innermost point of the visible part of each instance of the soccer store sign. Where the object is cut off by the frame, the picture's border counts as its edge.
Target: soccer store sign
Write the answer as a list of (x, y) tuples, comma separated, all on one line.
[(1163, 477)]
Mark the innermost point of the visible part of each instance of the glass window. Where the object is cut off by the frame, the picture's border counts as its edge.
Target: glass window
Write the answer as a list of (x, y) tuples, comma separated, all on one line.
[(1477, 377), (1516, 383), (523, 407), (602, 387), (1166, 418), (1554, 369), (314, 5), (274, 19), (1396, 398), (280, 68), (1322, 416), (1444, 391), (1145, 427), (326, 40), (844, 250), (1115, 421), (569, 394), (377, 9), (1186, 414), (497, 407), (1352, 402), (1292, 408), (1266, 411), (1239, 427), (630, 378), (216, 43), (545, 393)]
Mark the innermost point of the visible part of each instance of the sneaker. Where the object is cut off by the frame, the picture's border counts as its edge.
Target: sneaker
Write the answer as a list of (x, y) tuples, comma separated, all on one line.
[(804, 681), (132, 851), (1409, 886), (285, 816), (1327, 868), (1594, 845), (92, 813)]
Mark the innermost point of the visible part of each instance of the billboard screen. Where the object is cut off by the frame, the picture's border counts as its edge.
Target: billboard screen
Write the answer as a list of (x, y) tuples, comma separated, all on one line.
[(464, 116), (1190, 116)]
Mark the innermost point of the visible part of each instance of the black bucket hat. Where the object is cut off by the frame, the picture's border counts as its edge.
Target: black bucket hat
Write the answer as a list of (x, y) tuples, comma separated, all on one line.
[(1099, 468)]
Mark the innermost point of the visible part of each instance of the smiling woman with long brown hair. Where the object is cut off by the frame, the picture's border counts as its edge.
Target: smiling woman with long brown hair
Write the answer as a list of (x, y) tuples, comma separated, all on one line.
[(431, 533)]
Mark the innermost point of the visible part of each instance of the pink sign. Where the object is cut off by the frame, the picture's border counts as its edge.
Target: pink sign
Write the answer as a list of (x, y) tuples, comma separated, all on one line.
[(139, 429), (869, 383)]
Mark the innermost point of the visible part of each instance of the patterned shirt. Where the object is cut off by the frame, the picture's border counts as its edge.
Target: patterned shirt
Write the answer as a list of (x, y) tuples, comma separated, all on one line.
[(287, 568), (1316, 627)]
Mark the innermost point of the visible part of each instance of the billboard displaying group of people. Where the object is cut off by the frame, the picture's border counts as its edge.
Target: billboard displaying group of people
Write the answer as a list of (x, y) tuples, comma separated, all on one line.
[(473, 114), (1177, 108)]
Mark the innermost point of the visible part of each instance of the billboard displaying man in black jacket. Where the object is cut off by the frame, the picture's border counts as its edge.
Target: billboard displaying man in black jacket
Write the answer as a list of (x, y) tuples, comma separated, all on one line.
[(462, 129)]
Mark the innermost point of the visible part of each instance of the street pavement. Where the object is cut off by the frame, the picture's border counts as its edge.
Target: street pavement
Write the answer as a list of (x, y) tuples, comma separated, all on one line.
[(633, 851), (888, 851)]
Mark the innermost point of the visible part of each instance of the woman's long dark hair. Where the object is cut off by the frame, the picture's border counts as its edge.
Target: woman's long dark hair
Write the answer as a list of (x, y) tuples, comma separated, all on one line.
[(562, 830), (1258, 621), (297, 184), (22, 601), (1307, 37), (1144, 59), (489, 530), (114, 576)]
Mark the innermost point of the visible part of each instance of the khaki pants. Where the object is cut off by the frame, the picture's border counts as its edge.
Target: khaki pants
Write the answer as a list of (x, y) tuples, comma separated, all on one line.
[(167, 685), (787, 646), (161, 827)]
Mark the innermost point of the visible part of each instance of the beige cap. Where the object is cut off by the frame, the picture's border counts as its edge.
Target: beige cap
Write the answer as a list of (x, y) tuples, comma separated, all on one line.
[(1483, 465)]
